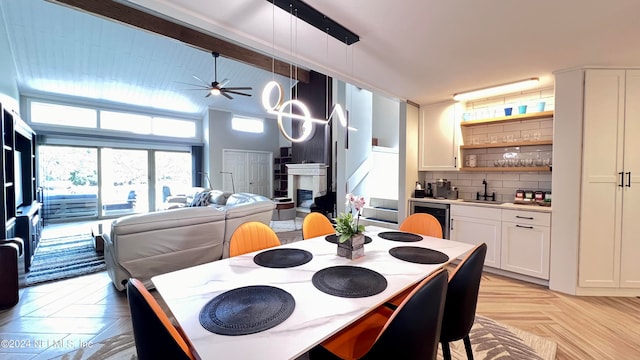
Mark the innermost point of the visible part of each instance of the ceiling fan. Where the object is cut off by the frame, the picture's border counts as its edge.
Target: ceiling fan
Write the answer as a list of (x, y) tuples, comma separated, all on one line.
[(218, 88)]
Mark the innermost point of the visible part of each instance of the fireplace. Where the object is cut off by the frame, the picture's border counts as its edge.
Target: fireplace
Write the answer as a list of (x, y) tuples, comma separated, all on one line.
[(304, 198), (311, 179)]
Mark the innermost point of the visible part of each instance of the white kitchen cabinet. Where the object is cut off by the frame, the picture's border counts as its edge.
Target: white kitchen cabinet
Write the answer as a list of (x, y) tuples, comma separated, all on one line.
[(610, 200), (438, 137), (475, 225), (526, 241)]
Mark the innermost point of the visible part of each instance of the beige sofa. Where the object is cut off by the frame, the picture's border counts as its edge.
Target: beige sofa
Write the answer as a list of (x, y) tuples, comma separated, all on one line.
[(145, 245)]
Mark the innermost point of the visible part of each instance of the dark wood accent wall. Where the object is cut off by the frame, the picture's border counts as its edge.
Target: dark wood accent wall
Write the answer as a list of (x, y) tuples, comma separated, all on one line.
[(318, 148)]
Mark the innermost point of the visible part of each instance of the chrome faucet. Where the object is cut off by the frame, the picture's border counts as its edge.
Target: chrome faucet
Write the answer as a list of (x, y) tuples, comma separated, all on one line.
[(485, 196)]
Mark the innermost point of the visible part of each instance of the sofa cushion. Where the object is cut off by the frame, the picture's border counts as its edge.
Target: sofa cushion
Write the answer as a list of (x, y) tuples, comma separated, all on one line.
[(201, 199), (219, 197)]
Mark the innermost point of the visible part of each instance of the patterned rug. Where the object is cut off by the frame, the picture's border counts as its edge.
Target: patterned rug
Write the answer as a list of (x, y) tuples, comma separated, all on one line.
[(490, 341), (64, 258)]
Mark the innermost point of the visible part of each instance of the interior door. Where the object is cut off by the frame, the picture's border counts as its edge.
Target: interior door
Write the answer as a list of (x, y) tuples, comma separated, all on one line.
[(602, 169), (630, 244), (259, 173), (247, 171)]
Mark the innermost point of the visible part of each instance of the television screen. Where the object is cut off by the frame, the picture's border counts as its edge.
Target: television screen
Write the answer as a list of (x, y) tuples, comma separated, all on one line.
[(18, 178)]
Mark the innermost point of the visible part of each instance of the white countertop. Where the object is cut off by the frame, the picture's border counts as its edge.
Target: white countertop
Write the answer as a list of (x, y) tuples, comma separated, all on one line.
[(317, 315), (510, 206)]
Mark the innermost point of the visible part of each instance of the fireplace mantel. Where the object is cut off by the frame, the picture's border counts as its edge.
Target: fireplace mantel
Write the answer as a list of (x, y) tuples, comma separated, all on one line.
[(308, 177)]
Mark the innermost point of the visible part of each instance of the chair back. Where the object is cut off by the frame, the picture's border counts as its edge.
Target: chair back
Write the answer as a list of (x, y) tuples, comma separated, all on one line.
[(462, 295), (316, 224), (423, 224), (154, 334), (252, 236), (413, 331)]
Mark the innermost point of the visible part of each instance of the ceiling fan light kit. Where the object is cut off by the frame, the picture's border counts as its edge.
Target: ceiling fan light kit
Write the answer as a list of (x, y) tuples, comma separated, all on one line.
[(497, 90), (216, 88)]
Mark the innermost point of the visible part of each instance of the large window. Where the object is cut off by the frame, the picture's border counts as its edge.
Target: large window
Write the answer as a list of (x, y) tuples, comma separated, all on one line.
[(61, 115), (74, 116), (91, 182), (252, 125)]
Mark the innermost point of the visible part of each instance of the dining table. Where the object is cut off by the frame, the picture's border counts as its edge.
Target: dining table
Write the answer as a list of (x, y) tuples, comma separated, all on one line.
[(313, 309)]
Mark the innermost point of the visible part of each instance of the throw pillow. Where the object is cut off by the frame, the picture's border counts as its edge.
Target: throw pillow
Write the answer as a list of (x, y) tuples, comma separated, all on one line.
[(201, 199)]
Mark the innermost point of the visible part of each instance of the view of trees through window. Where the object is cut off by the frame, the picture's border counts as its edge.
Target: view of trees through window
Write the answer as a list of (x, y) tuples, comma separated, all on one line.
[(74, 178)]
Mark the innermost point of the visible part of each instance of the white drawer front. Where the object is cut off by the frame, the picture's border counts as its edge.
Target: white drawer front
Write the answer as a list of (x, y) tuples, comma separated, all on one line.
[(526, 217), (478, 212)]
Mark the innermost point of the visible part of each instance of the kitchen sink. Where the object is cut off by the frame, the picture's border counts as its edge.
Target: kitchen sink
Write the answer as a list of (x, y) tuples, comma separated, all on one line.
[(484, 202)]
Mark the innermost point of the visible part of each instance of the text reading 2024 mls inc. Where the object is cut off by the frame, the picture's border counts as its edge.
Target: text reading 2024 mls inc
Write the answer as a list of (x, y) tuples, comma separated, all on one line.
[(44, 343)]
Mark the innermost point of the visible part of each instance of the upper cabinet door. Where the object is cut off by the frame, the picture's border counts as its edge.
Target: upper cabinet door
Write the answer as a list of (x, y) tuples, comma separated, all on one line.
[(438, 139)]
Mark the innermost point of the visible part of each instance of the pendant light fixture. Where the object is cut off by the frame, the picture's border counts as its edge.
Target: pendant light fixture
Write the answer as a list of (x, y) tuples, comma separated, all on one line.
[(283, 108)]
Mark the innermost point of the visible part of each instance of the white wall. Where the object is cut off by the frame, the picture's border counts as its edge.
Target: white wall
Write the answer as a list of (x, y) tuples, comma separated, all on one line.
[(221, 136), (386, 119), (360, 106), (408, 156), (9, 94)]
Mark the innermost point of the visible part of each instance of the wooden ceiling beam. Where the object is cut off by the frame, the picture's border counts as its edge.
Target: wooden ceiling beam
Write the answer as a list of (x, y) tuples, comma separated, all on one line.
[(133, 17)]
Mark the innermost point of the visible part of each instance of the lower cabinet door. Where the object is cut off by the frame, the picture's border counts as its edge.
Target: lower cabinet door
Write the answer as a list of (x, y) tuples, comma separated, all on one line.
[(475, 231), (525, 249)]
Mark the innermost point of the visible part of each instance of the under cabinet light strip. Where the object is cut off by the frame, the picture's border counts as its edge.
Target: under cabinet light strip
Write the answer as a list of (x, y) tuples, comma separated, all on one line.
[(497, 90)]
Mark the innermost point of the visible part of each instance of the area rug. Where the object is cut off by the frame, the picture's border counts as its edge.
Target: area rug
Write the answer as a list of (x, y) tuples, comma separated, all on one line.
[(64, 258), (490, 341)]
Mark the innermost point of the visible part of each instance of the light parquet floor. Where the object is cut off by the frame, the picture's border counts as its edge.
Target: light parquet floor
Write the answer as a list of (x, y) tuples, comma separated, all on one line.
[(583, 327), (55, 318)]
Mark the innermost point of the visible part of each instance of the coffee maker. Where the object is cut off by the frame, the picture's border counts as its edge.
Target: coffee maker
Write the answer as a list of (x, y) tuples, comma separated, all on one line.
[(442, 189)]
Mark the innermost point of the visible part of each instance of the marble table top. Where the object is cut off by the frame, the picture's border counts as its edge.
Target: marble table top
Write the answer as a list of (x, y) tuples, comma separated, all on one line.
[(316, 316)]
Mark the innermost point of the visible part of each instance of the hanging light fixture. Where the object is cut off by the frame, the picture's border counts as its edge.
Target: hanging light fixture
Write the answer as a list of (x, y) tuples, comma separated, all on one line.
[(497, 90), (280, 107)]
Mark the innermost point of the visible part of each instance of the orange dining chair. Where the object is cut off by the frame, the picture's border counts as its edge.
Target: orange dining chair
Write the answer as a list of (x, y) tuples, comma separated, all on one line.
[(252, 236), (316, 224), (423, 224), (154, 334), (411, 332)]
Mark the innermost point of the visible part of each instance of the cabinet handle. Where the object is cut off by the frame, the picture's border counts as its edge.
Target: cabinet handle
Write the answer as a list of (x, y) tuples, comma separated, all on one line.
[(629, 179), (524, 217), (621, 179), (524, 227), (451, 224), (455, 161)]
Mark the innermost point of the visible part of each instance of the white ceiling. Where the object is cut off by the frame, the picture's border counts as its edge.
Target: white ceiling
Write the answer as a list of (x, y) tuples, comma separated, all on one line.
[(418, 50), (59, 50)]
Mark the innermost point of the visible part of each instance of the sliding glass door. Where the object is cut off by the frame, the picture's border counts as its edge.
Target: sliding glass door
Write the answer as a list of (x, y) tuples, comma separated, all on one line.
[(82, 183), (173, 175), (68, 176), (125, 181)]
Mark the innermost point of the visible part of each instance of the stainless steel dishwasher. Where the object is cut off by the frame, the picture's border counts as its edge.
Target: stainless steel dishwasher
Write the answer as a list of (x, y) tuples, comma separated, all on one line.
[(439, 210)]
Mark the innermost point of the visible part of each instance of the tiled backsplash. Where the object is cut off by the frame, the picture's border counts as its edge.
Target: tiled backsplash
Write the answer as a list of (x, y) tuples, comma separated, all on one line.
[(504, 184)]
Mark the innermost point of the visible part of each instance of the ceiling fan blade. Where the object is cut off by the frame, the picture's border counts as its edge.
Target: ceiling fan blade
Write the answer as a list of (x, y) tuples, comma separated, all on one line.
[(197, 85), (223, 83), (208, 94), (202, 81), (224, 91), (226, 95), (239, 88)]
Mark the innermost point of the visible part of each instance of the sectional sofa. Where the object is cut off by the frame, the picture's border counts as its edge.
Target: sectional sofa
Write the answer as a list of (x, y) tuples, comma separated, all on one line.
[(145, 245)]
